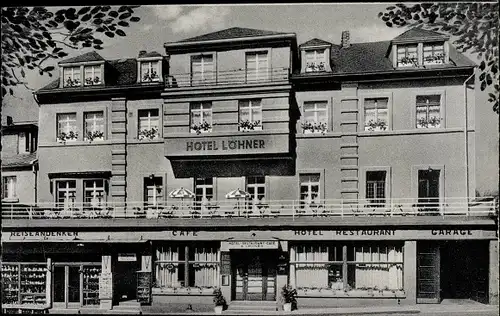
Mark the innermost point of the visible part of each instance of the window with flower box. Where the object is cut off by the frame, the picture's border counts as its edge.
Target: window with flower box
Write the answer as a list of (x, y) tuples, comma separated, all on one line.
[(407, 55), (9, 188), (150, 71), (94, 126), (315, 60), (187, 267), (72, 76), (250, 115), (369, 267), (315, 117), (433, 53), (93, 75), (428, 111), (94, 193), (201, 117), (66, 127), (149, 124), (376, 114)]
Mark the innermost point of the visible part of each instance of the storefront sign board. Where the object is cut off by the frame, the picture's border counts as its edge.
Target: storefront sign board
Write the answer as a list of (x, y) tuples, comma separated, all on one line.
[(252, 244), (127, 257), (105, 286)]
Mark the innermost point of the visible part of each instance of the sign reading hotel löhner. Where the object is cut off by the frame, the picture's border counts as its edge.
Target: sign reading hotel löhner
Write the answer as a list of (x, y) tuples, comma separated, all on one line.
[(253, 244), (227, 145)]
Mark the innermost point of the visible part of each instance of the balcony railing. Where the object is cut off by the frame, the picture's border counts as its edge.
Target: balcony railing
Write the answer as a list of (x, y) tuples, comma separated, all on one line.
[(229, 77), (450, 207)]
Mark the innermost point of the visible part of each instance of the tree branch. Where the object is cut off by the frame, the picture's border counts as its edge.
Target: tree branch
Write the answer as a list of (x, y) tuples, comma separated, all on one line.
[(66, 44)]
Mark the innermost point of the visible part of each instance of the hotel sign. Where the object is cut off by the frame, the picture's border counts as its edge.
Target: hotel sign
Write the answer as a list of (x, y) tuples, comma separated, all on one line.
[(209, 145), (253, 244)]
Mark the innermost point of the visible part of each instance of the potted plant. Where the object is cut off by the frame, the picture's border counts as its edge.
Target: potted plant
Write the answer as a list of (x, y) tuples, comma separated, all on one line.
[(289, 295), (248, 125), (377, 125), (148, 133), (199, 127), (91, 136), (313, 127), (63, 137), (219, 301)]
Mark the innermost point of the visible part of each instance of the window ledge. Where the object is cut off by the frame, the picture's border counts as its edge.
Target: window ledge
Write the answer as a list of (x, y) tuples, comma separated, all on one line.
[(10, 200), (351, 294), (75, 143)]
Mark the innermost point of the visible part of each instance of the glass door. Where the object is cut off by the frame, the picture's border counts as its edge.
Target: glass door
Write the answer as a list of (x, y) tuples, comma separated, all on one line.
[(428, 190), (76, 284)]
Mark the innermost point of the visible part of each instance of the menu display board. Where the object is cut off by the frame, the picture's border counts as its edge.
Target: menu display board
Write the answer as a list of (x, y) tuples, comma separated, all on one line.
[(105, 286), (225, 263), (144, 287)]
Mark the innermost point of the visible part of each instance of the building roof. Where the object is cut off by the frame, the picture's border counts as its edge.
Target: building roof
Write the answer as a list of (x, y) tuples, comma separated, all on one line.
[(19, 127), (418, 32), (90, 56), (230, 33), (144, 54), (22, 160), (315, 42)]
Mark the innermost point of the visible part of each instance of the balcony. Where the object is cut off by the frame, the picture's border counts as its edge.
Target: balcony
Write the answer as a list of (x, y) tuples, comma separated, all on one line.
[(227, 78), (291, 209)]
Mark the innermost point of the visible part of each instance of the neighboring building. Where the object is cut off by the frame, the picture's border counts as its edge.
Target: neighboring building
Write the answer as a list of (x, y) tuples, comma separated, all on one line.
[(308, 165), (19, 163)]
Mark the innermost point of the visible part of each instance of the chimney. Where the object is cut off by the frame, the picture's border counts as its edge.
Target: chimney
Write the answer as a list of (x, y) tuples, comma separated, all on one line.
[(142, 52), (10, 121), (345, 39)]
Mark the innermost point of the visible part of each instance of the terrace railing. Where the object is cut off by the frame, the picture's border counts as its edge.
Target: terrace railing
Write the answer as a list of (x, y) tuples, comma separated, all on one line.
[(449, 207), (228, 77)]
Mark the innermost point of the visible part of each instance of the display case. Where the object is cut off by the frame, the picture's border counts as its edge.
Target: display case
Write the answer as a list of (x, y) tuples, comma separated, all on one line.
[(91, 285), (144, 287), (33, 284), (10, 284)]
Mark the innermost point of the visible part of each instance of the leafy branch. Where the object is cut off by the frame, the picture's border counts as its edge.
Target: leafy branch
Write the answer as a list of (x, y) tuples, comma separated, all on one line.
[(33, 36)]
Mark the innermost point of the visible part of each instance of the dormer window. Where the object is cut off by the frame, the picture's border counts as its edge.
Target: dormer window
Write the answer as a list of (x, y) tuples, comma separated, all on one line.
[(433, 53), (315, 60), (408, 55), (150, 71), (93, 75), (72, 76)]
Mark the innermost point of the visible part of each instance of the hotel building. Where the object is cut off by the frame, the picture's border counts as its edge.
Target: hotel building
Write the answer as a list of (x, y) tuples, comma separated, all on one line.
[(242, 160)]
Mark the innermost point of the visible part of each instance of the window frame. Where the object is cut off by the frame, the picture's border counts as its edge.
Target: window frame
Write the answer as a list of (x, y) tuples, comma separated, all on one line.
[(67, 189), (309, 201), (316, 61), (377, 128), (103, 130), (375, 95), (75, 131), (202, 110), (316, 122), (433, 44), (150, 69), (249, 103), (93, 67), (441, 109), (142, 133), (261, 74), (8, 187), (94, 190), (155, 182), (204, 79), (72, 68), (406, 55), (388, 184)]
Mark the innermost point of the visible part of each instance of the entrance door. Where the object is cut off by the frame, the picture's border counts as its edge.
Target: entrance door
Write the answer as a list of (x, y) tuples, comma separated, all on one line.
[(125, 277), (255, 276), (428, 190), (428, 273), (75, 284)]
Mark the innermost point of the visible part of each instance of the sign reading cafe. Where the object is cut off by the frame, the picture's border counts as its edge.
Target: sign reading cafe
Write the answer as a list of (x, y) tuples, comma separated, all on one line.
[(225, 145)]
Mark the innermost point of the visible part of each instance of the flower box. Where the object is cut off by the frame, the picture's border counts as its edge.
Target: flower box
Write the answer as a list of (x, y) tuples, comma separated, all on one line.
[(70, 136), (148, 133), (314, 127), (201, 127)]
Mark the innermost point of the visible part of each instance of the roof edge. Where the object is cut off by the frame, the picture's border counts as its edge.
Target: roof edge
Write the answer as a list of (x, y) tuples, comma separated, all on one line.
[(229, 40)]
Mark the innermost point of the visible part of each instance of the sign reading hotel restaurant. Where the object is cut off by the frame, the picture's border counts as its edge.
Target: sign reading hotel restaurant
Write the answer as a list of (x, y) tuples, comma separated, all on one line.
[(253, 244), (227, 145)]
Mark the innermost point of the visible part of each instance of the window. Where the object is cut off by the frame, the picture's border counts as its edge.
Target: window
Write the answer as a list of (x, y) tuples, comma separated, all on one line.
[(94, 193), (433, 53), (256, 188), (201, 117), (202, 70), (376, 114), (24, 139), (93, 75), (66, 193), (315, 60), (407, 55), (72, 76), (375, 188), (315, 117), (66, 127), (309, 189), (204, 191), (94, 126), (153, 191), (150, 71), (428, 111), (368, 265), (9, 188), (250, 115), (149, 123), (179, 266), (257, 68)]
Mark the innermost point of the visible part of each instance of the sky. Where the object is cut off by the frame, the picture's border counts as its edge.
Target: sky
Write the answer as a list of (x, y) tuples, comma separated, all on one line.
[(169, 23)]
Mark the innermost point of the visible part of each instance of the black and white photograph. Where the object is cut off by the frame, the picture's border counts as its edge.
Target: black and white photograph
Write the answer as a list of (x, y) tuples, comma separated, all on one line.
[(250, 159)]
